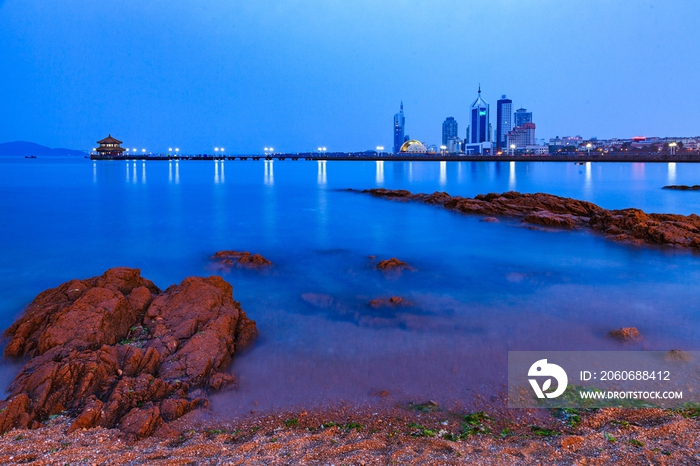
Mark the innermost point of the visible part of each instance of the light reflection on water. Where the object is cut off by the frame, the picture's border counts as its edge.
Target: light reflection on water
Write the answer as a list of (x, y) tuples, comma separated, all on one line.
[(479, 289)]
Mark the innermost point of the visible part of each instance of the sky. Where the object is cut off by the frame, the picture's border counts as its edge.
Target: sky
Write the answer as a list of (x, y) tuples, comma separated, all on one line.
[(299, 74)]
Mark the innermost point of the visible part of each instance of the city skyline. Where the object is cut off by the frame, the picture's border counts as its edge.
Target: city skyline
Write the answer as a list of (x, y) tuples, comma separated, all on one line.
[(297, 77)]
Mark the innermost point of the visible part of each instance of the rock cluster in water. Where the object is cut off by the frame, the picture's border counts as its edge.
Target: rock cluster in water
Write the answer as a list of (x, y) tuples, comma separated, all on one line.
[(241, 260), (629, 225), (115, 351)]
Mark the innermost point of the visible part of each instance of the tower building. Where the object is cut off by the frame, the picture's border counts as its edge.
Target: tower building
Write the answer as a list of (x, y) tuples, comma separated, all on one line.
[(504, 123), (449, 130), (522, 116), (479, 116), (399, 125)]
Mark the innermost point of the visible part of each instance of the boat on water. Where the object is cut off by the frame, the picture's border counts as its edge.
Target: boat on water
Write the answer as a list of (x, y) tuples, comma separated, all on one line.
[(30, 156)]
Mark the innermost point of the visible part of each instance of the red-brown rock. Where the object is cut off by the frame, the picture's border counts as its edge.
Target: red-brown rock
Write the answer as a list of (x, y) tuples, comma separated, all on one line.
[(625, 334), (392, 264), (387, 302), (116, 352), (629, 225), (241, 260)]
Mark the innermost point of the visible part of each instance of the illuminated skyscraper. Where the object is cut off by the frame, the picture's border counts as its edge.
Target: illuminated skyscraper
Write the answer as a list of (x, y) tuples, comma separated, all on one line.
[(504, 122), (479, 121), (399, 124)]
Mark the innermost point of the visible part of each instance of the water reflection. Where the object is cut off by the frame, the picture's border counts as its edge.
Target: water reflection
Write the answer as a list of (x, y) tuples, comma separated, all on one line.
[(177, 172), (637, 171), (127, 172), (134, 176), (143, 173), (511, 177), (269, 178), (322, 178), (223, 177), (443, 173), (94, 172), (380, 172), (216, 171), (170, 172), (588, 180), (672, 173)]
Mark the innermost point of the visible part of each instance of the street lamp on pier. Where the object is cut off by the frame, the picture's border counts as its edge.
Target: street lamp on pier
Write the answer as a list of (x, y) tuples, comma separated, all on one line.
[(512, 149), (443, 149), (588, 146), (673, 146)]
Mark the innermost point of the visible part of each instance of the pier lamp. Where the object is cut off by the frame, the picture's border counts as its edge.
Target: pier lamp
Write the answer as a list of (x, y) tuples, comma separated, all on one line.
[(272, 151), (134, 150), (512, 149), (673, 147), (443, 149), (222, 151), (170, 150), (216, 151), (588, 146), (143, 150), (380, 148), (176, 150)]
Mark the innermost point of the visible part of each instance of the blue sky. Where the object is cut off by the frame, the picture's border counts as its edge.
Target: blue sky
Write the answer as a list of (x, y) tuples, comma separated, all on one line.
[(297, 74)]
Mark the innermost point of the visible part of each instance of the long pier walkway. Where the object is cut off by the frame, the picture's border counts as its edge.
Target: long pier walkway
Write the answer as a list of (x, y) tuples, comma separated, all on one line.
[(577, 157)]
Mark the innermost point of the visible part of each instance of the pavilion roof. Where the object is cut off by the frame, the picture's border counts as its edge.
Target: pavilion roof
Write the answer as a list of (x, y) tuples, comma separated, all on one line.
[(109, 140)]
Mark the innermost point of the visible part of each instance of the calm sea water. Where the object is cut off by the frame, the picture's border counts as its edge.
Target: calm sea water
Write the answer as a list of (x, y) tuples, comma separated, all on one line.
[(479, 289)]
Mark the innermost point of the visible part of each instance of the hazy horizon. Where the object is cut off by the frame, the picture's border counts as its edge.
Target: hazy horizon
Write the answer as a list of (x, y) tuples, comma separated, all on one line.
[(296, 75)]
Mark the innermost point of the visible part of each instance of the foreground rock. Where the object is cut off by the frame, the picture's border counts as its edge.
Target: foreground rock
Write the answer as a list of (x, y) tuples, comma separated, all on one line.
[(115, 351), (629, 225), (241, 260)]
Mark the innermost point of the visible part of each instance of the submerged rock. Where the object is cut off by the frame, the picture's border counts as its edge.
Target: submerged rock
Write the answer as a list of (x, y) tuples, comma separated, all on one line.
[(115, 351), (387, 302), (625, 334), (629, 225), (242, 260), (682, 187), (393, 264)]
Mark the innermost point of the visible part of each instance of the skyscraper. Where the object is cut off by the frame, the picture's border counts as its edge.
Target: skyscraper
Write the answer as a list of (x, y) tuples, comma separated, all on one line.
[(479, 116), (522, 116), (449, 130), (504, 123), (399, 124)]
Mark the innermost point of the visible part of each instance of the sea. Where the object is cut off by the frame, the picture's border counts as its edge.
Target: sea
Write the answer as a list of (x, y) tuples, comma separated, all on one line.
[(476, 289)]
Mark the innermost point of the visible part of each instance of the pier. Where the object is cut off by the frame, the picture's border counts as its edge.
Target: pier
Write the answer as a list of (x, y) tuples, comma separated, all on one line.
[(578, 157)]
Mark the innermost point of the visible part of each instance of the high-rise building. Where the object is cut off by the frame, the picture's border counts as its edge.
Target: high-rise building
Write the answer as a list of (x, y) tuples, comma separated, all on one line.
[(399, 124), (479, 121), (449, 130), (504, 121), (522, 116), (521, 137)]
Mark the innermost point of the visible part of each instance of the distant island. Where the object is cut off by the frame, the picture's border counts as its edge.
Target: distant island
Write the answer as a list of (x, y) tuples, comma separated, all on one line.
[(24, 148)]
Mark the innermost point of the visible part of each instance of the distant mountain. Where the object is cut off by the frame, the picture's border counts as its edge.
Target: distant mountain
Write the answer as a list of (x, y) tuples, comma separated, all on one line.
[(30, 148)]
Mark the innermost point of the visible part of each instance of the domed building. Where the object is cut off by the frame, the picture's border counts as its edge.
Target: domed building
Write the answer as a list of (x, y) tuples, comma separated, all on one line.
[(413, 147)]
